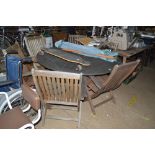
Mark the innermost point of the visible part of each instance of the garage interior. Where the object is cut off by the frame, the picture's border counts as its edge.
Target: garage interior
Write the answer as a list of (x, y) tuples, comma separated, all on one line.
[(134, 98)]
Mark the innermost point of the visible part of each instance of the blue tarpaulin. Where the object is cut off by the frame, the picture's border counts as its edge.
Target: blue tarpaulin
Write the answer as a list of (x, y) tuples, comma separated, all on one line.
[(86, 50)]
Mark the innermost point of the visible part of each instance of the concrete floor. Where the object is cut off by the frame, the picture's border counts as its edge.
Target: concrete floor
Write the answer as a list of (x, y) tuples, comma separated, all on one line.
[(134, 108)]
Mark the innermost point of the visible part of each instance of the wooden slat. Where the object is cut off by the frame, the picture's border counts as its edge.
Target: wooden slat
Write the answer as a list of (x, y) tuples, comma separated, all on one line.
[(29, 48), (75, 91), (63, 89), (42, 45), (56, 74), (92, 86), (58, 88), (67, 89), (60, 102), (33, 48), (46, 87), (71, 89), (54, 88), (50, 87), (40, 81), (96, 82), (31, 44), (84, 41), (37, 87), (40, 42)]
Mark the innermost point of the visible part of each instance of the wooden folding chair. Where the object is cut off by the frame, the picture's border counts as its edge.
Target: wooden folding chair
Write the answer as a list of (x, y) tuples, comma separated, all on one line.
[(84, 40), (97, 85), (74, 38), (60, 89), (34, 44)]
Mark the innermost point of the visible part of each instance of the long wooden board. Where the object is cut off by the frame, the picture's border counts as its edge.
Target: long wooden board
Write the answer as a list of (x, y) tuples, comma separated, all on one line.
[(66, 56)]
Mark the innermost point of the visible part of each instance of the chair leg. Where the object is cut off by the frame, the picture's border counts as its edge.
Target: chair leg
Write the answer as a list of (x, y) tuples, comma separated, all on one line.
[(79, 115), (44, 110), (78, 106), (113, 98), (90, 102)]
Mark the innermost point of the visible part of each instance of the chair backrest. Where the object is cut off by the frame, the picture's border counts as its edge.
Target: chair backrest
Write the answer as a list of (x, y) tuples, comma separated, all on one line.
[(84, 40), (13, 73), (34, 44), (119, 74), (58, 87), (16, 47), (31, 97), (14, 69), (74, 38)]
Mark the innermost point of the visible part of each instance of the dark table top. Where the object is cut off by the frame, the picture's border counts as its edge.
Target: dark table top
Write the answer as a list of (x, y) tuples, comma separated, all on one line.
[(96, 67)]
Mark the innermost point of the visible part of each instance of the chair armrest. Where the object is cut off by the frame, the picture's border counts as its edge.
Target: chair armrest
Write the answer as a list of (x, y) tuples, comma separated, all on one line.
[(12, 52), (27, 60), (31, 96), (9, 51), (5, 83), (7, 98)]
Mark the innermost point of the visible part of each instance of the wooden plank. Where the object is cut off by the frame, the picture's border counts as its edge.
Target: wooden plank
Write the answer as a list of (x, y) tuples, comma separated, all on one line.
[(71, 90), (35, 47), (29, 48), (31, 44), (64, 97), (84, 41), (66, 56), (46, 87), (50, 87), (55, 88), (67, 89), (92, 86), (96, 82), (41, 85), (76, 91), (58, 88), (56, 74), (37, 86)]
